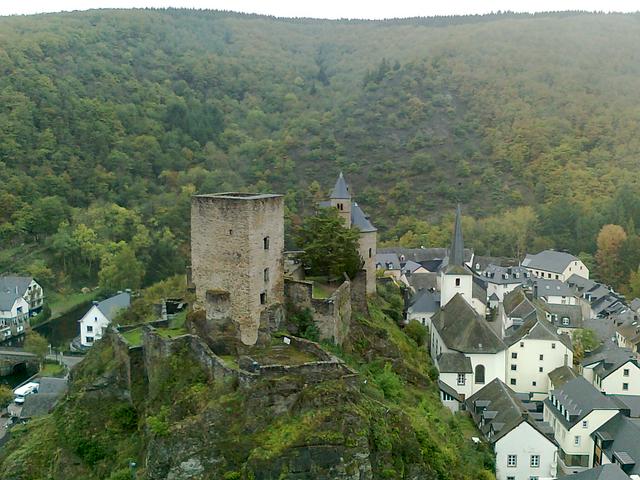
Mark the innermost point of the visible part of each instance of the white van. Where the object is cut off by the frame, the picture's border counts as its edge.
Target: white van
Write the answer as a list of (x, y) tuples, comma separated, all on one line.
[(27, 389)]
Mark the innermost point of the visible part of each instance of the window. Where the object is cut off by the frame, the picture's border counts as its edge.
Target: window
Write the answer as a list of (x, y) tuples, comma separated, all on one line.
[(585, 423), (540, 369), (265, 243), (95, 319), (512, 461), (514, 367), (89, 339), (625, 372), (553, 345), (625, 386), (446, 397), (535, 461), (565, 320), (263, 298), (533, 478), (461, 379), (512, 381), (479, 374), (511, 478), (89, 328), (230, 232), (576, 440), (534, 383), (521, 344), (370, 253), (265, 274), (514, 354), (541, 357), (457, 282)]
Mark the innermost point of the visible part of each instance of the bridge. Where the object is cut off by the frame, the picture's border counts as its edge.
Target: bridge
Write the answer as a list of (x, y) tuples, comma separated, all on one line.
[(10, 357)]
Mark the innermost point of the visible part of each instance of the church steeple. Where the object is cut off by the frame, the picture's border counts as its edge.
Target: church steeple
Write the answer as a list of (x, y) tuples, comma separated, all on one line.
[(341, 190), (456, 254)]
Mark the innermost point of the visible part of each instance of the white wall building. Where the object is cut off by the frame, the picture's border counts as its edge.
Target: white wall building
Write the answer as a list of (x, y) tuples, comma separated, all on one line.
[(534, 350), (551, 264), (523, 446), (613, 370), (97, 319), (575, 411), (502, 280)]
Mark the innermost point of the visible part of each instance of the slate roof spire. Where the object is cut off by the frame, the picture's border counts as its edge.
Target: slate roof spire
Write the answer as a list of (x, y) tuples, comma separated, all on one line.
[(341, 190), (456, 255)]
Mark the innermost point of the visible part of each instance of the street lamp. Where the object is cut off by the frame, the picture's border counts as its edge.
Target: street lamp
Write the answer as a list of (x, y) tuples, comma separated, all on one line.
[(132, 467)]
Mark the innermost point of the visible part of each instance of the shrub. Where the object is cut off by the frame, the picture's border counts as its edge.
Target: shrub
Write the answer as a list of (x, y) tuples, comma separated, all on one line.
[(417, 332), (303, 320), (389, 382)]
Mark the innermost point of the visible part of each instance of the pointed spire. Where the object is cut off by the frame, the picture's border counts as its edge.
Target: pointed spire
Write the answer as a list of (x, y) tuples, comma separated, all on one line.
[(456, 254), (341, 190)]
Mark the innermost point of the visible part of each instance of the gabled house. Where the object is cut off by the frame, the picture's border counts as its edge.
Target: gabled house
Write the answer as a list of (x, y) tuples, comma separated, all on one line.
[(455, 379), (502, 280), (628, 334), (524, 446), (100, 315), (553, 292), (423, 306), (613, 370), (14, 314), (555, 265), (534, 350), (560, 376), (618, 442), (25, 287), (575, 411), (516, 308), (599, 299), (390, 264), (458, 328)]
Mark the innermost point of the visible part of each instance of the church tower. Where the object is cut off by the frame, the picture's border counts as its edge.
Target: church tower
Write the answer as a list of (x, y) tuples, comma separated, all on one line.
[(456, 277), (341, 200)]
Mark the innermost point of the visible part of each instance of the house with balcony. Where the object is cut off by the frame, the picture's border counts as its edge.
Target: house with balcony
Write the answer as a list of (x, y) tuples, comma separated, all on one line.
[(27, 288), (575, 411), (523, 443), (14, 314)]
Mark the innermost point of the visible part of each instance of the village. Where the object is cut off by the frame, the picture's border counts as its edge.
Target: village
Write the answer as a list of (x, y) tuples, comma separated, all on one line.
[(504, 334)]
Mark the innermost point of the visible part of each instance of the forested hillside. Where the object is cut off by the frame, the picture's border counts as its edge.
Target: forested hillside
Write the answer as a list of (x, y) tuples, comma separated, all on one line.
[(111, 120)]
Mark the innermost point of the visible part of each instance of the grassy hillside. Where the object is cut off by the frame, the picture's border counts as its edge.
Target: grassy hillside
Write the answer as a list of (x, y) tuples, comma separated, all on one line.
[(141, 109)]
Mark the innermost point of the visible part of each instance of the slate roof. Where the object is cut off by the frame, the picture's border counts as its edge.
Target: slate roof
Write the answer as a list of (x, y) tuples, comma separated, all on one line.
[(424, 254), (384, 259), (112, 305), (635, 304), (579, 398), (454, 362), (11, 288), (536, 328), (610, 358), (341, 189), (504, 275), (517, 305), (562, 375), (479, 290), (630, 330), (625, 434), (572, 312), (482, 262), (545, 288), (549, 260), (423, 281), (410, 266), (503, 411), (360, 220), (631, 403), (449, 390), (425, 302), (610, 471), (463, 330)]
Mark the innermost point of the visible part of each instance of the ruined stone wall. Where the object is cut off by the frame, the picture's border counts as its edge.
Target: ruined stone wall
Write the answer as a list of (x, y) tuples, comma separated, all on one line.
[(359, 293), (332, 316), (228, 254), (367, 250), (132, 362)]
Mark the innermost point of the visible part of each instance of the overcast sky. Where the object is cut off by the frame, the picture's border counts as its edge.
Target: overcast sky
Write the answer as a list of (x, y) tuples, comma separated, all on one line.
[(330, 8)]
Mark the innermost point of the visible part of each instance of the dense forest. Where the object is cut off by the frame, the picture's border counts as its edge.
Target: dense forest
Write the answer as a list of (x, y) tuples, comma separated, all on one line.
[(111, 120)]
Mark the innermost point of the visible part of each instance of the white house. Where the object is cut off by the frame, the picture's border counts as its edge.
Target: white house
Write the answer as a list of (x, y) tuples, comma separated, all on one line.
[(575, 411), (534, 350), (613, 370), (423, 306), (502, 280), (554, 265), (618, 442), (95, 321), (14, 314), (27, 288), (458, 328), (524, 447), (553, 292)]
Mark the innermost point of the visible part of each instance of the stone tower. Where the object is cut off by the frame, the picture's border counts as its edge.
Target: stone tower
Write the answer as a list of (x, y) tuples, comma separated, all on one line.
[(456, 277), (237, 243), (354, 217), (341, 199)]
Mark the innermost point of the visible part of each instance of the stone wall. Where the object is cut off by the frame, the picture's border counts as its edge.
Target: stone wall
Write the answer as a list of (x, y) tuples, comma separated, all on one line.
[(131, 359), (367, 250), (332, 316), (237, 244), (359, 293)]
